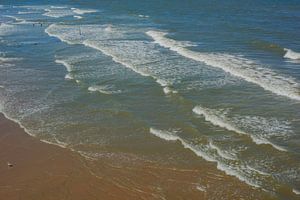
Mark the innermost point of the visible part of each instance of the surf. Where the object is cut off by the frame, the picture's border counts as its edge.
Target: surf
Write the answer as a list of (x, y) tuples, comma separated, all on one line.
[(236, 66)]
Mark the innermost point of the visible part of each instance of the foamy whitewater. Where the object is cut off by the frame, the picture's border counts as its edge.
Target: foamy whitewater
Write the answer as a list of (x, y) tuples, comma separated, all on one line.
[(169, 84), (237, 66), (291, 54)]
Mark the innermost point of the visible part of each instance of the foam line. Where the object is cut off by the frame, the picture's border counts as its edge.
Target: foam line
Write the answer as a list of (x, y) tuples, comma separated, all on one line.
[(169, 136), (237, 66), (219, 119), (291, 54)]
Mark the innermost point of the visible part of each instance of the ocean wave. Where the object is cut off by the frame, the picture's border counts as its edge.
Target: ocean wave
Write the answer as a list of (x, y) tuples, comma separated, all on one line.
[(109, 40), (237, 66), (92, 44), (57, 13), (64, 63), (75, 34), (232, 170), (219, 118), (291, 54)]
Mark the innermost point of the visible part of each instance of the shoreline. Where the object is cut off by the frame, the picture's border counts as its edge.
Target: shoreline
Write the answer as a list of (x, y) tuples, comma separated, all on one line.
[(46, 171)]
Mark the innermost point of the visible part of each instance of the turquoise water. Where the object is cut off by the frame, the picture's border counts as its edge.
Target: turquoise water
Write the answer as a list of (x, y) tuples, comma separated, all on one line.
[(222, 78)]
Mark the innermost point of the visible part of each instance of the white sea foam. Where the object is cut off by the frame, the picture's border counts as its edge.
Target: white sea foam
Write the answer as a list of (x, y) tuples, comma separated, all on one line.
[(222, 153), (58, 7), (216, 118), (265, 128), (143, 16), (83, 11), (229, 170), (77, 16), (53, 32), (296, 191), (235, 65), (6, 59), (64, 63), (69, 77), (258, 171), (104, 89), (168, 90), (162, 82), (27, 12), (57, 142), (219, 118), (166, 135), (92, 44), (78, 34), (291, 54), (57, 13), (109, 28), (6, 29), (201, 188)]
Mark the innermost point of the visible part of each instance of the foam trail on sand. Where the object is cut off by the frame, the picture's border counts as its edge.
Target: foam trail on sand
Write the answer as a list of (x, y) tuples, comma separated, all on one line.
[(296, 191), (229, 170), (291, 54), (218, 118), (237, 66), (56, 143)]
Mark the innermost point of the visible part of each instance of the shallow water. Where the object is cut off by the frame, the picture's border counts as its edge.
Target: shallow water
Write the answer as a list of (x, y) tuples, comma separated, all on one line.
[(221, 80)]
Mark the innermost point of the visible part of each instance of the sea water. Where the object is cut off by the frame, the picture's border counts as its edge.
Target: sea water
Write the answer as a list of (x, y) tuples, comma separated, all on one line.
[(220, 78)]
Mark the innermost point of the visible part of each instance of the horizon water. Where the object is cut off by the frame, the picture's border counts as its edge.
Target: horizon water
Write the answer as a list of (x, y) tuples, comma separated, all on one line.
[(219, 82)]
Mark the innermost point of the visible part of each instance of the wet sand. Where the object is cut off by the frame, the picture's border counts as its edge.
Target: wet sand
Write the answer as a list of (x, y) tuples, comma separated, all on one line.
[(45, 171)]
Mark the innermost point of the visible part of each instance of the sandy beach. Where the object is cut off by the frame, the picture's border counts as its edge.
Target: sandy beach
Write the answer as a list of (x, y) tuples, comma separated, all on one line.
[(45, 171)]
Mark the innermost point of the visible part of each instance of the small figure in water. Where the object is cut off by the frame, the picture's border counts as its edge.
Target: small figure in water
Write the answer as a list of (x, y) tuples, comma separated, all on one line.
[(79, 31)]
